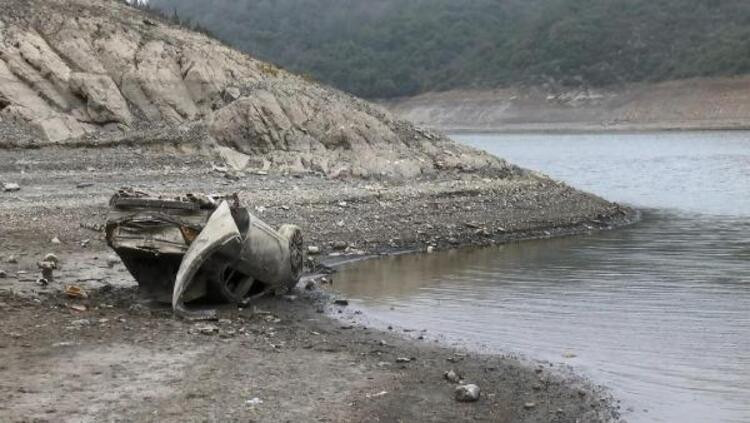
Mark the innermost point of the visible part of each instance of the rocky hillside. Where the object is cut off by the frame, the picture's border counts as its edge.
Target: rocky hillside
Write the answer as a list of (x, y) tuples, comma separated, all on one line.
[(91, 72)]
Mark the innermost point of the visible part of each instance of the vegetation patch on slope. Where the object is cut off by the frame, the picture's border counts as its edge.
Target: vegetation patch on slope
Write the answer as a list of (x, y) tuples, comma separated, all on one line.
[(391, 48)]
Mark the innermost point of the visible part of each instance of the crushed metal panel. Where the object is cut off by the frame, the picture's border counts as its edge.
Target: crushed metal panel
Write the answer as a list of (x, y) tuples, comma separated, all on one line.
[(218, 243), (201, 246)]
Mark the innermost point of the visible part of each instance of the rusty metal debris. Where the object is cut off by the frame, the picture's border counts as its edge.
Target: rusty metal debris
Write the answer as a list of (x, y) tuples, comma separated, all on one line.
[(193, 247), (73, 291)]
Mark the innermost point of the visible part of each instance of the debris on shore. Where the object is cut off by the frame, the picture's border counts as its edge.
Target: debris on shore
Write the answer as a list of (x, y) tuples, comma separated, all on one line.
[(197, 246)]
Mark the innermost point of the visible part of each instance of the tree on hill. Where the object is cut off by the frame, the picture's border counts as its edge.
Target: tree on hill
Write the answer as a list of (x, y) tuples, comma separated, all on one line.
[(389, 48)]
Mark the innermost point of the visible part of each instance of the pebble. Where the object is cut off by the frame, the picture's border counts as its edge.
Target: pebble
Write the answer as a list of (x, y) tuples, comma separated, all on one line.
[(313, 250), (3, 274), (112, 260), (467, 393), (51, 258), (84, 185), (254, 401), (529, 405), (430, 249), (11, 187), (56, 240), (12, 260), (403, 360), (310, 285), (340, 245), (341, 302), (452, 376), (207, 329)]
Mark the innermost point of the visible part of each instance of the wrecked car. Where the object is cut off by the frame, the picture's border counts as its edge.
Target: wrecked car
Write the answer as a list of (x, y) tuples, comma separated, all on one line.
[(201, 247)]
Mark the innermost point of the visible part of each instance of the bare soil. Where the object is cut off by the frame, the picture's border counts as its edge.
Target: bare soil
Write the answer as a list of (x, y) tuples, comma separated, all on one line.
[(114, 356), (689, 104)]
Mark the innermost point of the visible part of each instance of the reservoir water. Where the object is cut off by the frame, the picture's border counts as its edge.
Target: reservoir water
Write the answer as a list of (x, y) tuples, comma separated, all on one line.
[(659, 312)]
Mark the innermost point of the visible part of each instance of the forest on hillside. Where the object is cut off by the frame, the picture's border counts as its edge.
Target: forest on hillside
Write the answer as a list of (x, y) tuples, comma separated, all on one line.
[(390, 48)]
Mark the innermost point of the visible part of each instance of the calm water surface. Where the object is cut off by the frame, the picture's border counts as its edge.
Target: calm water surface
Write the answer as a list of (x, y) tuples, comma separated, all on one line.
[(659, 311)]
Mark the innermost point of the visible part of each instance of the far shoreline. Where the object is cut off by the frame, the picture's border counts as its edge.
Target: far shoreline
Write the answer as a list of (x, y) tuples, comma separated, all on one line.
[(586, 130)]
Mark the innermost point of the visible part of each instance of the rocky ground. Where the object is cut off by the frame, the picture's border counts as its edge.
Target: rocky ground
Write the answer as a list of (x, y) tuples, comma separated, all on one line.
[(114, 357)]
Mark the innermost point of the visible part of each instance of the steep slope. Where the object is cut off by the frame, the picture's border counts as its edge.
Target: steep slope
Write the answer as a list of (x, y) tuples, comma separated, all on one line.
[(84, 72)]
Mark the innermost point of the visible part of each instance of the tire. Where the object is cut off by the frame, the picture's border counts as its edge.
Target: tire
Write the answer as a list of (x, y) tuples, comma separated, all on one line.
[(296, 252)]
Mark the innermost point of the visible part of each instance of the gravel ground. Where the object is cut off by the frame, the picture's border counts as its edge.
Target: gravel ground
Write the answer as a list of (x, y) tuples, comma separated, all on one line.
[(114, 357)]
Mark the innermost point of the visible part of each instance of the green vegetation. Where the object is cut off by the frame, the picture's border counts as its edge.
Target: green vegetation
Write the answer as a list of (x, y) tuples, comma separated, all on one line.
[(389, 48)]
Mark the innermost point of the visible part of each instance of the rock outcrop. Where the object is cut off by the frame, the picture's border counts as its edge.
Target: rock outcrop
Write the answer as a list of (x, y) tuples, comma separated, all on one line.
[(77, 71)]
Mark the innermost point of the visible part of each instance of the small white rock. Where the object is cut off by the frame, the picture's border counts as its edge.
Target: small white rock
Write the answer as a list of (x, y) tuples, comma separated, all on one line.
[(112, 260), (254, 401), (11, 187), (467, 393), (452, 377)]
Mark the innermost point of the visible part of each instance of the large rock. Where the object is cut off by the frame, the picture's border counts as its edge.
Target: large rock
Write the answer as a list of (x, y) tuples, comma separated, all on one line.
[(467, 393), (104, 103)]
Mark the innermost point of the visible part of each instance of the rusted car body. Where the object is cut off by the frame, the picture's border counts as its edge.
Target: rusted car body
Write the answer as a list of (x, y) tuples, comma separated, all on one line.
[(195, 247)]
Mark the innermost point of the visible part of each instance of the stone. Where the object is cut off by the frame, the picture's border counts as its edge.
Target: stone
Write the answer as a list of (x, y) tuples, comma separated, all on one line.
[(452, 376), (430, 249), (529, 405), (341, 302), (340, 245), (112, 260), (47, 268), (310, 285), (207, 329), (313, 250), (3, 274), (11, 187), (12, 259), (467, 393), (55, 240), (52, 258), (231, 94), (233, 158), (403, 360), (104, 102)]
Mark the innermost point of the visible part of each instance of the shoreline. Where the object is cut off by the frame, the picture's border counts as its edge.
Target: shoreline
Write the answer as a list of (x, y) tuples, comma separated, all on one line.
[(587, 130), (346, 364), (697, 104)]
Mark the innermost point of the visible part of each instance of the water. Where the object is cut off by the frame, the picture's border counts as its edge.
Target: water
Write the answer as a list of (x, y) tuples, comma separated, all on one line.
[(659, 311)]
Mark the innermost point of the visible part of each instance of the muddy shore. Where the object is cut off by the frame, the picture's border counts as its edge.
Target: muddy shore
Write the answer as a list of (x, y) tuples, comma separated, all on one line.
[(294, 358)]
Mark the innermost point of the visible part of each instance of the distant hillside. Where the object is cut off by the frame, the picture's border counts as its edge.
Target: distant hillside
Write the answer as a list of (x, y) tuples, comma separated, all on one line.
[(390, 48)]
